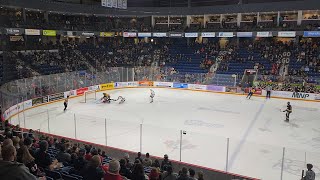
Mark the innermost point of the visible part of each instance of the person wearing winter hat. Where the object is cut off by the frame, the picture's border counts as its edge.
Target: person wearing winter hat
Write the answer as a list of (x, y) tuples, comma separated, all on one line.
[(113, 171)]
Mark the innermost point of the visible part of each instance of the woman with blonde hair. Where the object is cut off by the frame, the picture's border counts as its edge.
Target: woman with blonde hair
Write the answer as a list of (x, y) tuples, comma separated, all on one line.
[(28, 161)]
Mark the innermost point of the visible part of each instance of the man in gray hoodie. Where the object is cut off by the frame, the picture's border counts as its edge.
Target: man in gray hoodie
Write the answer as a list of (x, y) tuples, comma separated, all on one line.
[(9, 169)]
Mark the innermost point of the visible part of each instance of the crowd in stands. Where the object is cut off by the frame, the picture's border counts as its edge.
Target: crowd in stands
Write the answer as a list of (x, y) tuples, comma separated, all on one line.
[(26, 155)]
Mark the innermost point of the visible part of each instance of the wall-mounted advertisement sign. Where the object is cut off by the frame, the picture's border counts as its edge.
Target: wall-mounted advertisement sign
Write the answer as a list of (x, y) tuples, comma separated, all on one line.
[(32, 32), (176, 35), (49, 32), (287, 34), (144, 34), (311, 34), (225, 34), (208, 34), (190, 34), (160, 34), (129, 34), (244, 34), (264, 34)]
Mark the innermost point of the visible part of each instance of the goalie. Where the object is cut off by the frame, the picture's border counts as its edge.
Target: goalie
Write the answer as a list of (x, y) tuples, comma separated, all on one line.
[(105, 98)]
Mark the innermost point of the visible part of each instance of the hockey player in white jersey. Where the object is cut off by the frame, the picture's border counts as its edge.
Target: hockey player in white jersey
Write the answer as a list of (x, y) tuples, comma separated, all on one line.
[(152, 95)]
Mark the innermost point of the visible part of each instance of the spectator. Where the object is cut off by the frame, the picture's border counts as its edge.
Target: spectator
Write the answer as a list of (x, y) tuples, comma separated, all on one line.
[(169, 175), (200, 175), (184, 174), (113, 171), (156, 164), (63, 156), (310, 175), (124, 171), (139, 157), (28, 161), (154, 174), (127, 158), (80, 163), (13, 170), (138, 173), (42, 158), (88, 156), (147, 161), (192, 173), (7, 142), (93, 170), (165, 163), (16, 141), (28, 143)]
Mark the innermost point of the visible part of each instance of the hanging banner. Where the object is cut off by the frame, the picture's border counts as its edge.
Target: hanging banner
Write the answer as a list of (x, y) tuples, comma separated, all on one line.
[(49, 32), (114, 3), (311, 34), (14, 31), (190, 34), (32, 32), (208, 34), (104, 3), (264, 34), (176, 35), (124, 4), (109, 3), (106, 34), (120, 4), (244, 34), (144, 34), (286, 34), (129, 34), (160, 34), (225, 34)]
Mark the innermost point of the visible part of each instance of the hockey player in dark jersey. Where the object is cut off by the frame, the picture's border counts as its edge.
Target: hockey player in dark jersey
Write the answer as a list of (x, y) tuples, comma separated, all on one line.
[(251, 92), (288, 111)]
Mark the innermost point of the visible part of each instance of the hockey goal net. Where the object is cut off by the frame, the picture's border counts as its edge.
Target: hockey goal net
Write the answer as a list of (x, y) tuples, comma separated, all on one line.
[(90, 95)]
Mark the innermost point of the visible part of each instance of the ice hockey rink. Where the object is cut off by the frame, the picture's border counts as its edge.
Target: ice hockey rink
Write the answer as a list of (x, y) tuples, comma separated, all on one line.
[(256, 129)]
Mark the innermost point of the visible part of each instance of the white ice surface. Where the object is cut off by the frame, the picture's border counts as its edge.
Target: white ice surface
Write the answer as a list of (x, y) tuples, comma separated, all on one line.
[(255, 127)]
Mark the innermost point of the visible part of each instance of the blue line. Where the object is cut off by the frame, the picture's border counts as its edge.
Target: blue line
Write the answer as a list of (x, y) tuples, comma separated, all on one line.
[(244, 137)]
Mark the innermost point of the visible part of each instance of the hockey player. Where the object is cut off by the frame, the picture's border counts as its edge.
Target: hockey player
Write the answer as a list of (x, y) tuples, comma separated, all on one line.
[(288, 111), (152, 95), (65, 103), (105, 98), (251, 91)]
